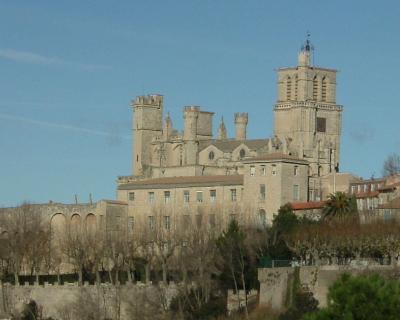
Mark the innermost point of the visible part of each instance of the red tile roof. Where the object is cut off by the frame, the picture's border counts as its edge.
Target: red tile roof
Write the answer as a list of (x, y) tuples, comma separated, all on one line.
[(308, 205)]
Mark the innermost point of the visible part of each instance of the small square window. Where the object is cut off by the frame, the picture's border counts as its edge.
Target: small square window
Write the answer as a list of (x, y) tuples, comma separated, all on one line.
[(295, 170), (273, 171), (296, 192), (131, 196), (252, 171)]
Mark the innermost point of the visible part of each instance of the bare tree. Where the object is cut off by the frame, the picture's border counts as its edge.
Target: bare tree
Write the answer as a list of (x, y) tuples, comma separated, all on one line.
[(391, 166)]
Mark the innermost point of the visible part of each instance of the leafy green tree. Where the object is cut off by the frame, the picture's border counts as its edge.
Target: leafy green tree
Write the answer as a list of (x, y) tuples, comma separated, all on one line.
[(361, 298), (340, 206)]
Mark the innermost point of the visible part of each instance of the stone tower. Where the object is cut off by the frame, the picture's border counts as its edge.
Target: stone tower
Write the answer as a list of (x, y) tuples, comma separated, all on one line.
[(190, 116), (241, 120), (146, 126), (306, 115)]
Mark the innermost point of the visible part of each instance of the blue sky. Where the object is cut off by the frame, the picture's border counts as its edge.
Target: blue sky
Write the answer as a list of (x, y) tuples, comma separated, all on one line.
[(68, 70)]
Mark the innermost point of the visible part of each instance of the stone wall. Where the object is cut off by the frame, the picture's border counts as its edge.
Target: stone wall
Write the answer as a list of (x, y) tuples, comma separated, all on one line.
[(276, 283), (73, 302)]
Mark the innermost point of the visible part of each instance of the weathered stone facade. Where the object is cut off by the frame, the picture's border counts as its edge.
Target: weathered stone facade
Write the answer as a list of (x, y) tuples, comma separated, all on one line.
[(291, 166)]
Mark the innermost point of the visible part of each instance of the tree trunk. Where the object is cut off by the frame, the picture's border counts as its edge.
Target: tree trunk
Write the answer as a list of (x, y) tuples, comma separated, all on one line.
[(164, 272), (129, 274), (80, 277), (16, 278), (98, 280), (147, 271), (110, 277), (58, 277)]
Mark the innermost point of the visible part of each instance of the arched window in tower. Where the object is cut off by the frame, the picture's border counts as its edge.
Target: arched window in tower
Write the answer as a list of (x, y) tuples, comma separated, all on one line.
[(315, 88), (323, 89), (296, 79), (242, 153), (288, 88)]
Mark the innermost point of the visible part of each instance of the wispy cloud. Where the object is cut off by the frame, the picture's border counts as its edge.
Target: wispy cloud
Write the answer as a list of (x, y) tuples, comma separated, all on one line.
[(34, 58), (362, 135), (112, 134)]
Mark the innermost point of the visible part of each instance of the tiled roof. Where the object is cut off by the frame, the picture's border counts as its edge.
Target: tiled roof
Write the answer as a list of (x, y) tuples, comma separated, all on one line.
[(231, 144), (308, 205), (187, 181), (394, 204), (276, 156), (389, 187), (369, 194)]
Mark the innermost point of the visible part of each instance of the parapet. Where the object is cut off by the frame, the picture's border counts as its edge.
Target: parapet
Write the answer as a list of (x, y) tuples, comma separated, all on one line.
[(191, 109), (241, 117), (149, 100)]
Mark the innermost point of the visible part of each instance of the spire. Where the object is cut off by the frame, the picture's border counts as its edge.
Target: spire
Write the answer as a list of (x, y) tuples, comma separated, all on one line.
[(222, 135), (167, 130), (306, 52)]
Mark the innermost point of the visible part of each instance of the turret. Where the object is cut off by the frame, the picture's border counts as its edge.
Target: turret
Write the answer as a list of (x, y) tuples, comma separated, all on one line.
[(146, 125), (190, 116), (241, 120), (222, 135), (167, 130)]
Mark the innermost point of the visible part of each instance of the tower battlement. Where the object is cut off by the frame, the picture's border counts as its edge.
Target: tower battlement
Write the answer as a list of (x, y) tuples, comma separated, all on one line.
[(241, 117), (148, 100), (191, 109)]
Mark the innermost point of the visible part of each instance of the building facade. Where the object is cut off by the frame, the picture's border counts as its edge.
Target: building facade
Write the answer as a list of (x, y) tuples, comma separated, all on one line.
[(181, 169)]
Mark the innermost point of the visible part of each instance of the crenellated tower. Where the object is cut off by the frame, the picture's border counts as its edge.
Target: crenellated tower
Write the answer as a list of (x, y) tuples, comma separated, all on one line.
[(241, 120), (146, 126)]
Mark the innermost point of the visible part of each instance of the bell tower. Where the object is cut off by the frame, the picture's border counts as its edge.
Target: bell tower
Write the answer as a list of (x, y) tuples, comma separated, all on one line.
[(306, 114)]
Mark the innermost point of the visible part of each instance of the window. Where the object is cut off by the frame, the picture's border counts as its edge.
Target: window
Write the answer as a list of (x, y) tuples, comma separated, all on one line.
[(321, 124), (131, 196), (315, 88), (199, 219), (373, 187), (252, 171), (211, 220), (152, 222), (262, 191), (242, 153), (151, 197), (167, 196), (296, 192), (288, 88), (295, 170), (233, 195), (273, 171), (167, 222), (323, 89), (264, 170), (186, 196), (296, 79), (365, 187), (213, 195), (353, 189), (131, 224), (211, 155), (199, 196)]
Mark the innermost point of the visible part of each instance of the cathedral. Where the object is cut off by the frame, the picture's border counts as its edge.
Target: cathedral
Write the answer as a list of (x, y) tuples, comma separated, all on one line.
[(195, 168)]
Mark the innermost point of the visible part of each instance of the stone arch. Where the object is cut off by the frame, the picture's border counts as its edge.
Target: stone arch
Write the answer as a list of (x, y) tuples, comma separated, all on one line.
[(90, 222), (76, 220), (58, 225)]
